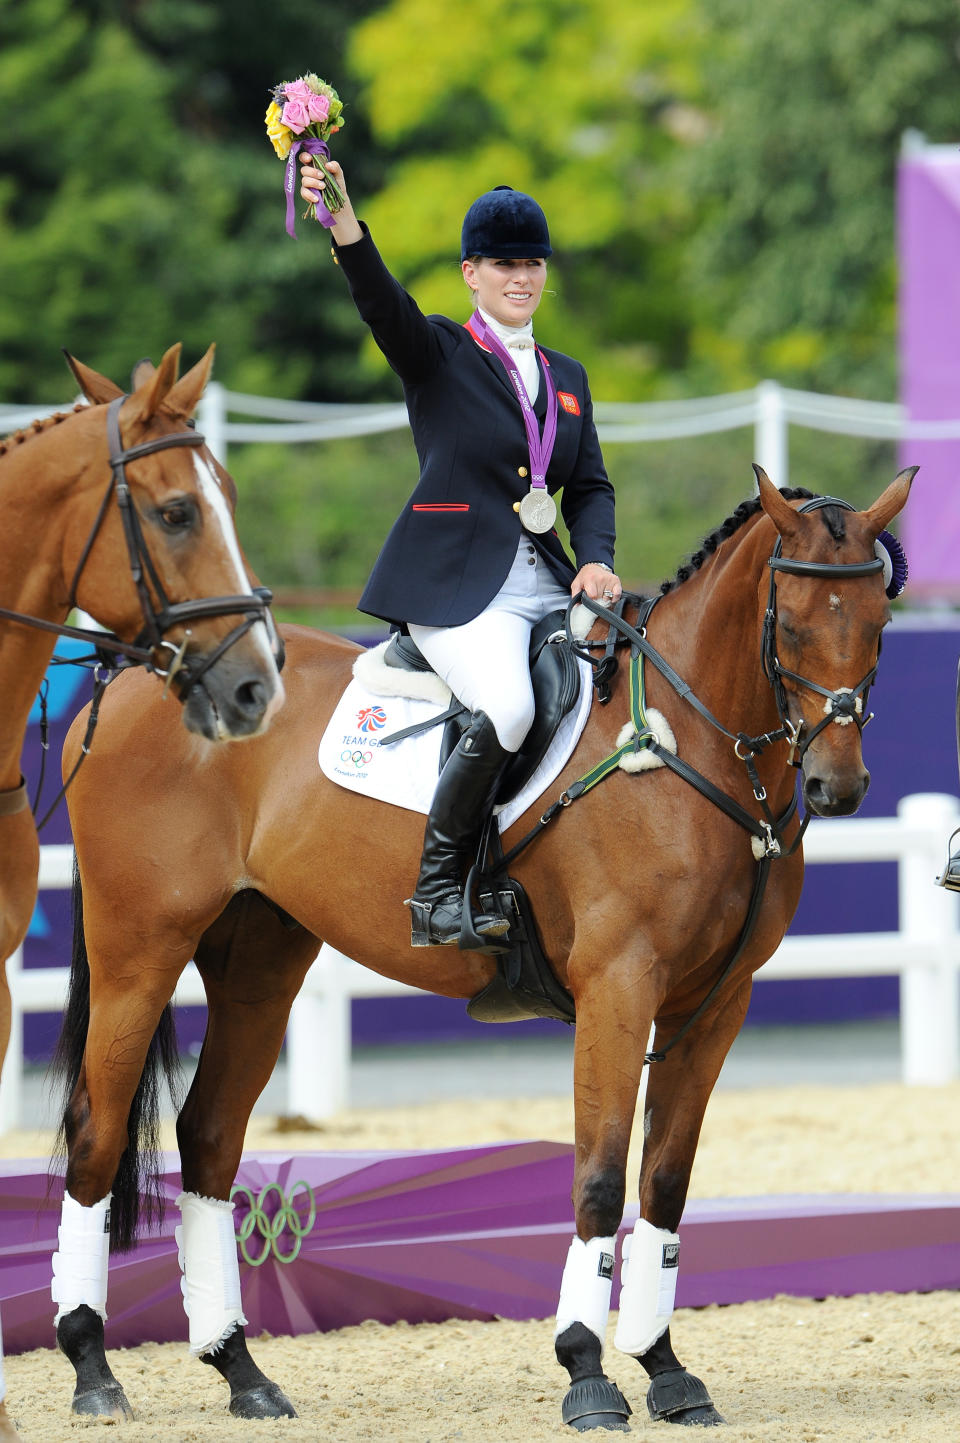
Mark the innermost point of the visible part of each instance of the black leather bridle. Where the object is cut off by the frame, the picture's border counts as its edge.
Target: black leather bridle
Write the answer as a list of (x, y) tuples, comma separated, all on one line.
[(843, 705), (149, 648)]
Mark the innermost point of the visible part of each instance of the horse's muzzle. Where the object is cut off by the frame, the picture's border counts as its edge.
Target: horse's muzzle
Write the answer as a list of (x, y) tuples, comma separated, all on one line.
[(834, 794), (234, 699)]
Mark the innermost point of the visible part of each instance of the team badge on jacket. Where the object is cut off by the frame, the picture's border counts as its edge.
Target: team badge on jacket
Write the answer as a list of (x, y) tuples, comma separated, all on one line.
[(569, 402)]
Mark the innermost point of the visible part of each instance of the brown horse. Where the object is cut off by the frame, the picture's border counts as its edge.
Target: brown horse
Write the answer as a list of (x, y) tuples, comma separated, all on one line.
[(153, 556), (639, 916)]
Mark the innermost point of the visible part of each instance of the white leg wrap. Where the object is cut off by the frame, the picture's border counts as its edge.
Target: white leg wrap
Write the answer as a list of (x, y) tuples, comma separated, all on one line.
[(80, 1263), (651, 1260), (211, 1272), (585, 1286)]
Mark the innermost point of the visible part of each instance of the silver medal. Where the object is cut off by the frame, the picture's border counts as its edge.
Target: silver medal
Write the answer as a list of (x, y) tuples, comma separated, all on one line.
[(538, 510)]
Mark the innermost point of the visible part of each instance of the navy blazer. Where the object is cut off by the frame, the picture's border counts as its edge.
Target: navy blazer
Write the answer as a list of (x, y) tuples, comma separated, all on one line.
[(450, 549)]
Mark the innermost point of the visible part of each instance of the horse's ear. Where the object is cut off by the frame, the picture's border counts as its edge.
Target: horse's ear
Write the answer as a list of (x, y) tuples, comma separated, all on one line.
[(141, 372), (146, 399), (781, 513), (97, 389), (182, 400), (893, 500)]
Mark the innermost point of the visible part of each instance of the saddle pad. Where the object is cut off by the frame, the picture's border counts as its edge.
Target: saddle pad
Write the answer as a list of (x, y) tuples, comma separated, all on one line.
[(405, 774)]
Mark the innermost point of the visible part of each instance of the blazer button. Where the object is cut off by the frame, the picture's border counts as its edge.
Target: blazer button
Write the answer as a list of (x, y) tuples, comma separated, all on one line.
[(521, 470)]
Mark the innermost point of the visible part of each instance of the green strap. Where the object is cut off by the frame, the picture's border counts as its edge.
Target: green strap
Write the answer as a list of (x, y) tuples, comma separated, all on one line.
[(642, 733)]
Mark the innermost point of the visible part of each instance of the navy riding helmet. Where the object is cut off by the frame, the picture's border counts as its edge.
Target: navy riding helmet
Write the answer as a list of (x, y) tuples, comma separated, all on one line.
[(505, 224)]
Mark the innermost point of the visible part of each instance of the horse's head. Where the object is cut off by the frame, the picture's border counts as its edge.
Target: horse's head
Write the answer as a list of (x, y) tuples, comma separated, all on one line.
[(154, 555), (825, 606)]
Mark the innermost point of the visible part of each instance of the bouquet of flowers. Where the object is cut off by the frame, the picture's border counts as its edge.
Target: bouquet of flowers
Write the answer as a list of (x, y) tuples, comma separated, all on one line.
[(302, 115)]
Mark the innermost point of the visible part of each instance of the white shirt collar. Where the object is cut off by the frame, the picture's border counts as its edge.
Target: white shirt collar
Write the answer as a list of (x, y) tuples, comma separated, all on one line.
[(506, 334)]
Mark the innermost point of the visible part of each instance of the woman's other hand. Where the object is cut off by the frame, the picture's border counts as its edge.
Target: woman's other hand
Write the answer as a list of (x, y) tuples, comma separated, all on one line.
[(598, 583)]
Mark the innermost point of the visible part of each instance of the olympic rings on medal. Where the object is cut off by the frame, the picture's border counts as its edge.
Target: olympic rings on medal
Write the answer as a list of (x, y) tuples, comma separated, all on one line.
[(358, 759), (286, 1218)]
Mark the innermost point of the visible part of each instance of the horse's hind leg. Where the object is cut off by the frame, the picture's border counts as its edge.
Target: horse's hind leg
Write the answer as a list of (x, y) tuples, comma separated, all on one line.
[(678, 1091), (252, 967)]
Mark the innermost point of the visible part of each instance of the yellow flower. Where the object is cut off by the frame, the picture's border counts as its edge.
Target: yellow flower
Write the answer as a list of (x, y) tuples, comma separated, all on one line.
[(280, 137)]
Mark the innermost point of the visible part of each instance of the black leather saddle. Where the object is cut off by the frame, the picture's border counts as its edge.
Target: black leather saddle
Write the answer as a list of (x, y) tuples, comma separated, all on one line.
[(556, 689)]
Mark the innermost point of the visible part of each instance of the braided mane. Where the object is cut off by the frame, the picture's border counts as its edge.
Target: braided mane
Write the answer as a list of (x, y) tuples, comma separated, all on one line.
[(833, 518), (43, 423)]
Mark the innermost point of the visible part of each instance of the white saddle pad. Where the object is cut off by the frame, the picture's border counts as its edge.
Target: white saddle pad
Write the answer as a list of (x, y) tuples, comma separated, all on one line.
[(405, 774)]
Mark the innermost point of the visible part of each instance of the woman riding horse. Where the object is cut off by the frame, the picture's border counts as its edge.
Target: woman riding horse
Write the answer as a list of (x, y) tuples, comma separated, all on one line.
[(473, 561)]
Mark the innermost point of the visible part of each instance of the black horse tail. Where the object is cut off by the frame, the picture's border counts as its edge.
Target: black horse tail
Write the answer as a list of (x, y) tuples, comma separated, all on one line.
[(137, 1193)]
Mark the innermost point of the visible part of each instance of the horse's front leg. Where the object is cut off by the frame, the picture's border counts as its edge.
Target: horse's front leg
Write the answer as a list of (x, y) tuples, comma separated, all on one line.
[(252, 969), (678, 1091), (612, 1032)]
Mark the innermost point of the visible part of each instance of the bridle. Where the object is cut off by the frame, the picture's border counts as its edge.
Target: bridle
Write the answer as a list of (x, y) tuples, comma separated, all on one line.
[(846, 704), (149, 648)]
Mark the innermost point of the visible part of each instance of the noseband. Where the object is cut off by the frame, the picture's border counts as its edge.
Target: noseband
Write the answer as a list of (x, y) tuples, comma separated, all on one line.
[(844, 705), (148, 647)]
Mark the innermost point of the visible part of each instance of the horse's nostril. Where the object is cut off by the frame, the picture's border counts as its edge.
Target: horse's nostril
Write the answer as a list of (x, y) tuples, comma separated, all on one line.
[(251, 697)]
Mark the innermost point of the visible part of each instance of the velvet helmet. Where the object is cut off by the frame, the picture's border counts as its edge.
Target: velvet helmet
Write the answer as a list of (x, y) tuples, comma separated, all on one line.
[(505, 224)]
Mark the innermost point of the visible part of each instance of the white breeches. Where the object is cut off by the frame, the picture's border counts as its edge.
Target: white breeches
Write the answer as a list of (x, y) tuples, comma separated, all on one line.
[(486, 662)]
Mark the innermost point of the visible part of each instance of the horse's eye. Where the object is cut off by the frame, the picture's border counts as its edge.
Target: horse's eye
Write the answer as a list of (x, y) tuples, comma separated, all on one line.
[(178, 515)]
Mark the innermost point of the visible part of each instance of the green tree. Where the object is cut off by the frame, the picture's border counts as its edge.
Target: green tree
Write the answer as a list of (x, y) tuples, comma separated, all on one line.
[(792, 260), (576, 101), (141, 202)]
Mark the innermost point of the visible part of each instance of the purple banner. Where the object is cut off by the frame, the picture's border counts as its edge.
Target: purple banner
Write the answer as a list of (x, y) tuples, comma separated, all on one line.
[(477, 1232), (928, 207)]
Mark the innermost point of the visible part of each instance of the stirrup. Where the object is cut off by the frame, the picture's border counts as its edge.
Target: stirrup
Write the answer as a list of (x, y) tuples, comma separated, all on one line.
[(950, 876), (476, 934)]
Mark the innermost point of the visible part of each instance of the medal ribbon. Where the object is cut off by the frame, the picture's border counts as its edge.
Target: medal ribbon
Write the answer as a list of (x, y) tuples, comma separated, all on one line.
[(540, 447), (313, 147)]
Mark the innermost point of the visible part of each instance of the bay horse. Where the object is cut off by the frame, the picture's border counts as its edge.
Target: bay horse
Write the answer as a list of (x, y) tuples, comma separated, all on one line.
[(117, 508), (244, 861)]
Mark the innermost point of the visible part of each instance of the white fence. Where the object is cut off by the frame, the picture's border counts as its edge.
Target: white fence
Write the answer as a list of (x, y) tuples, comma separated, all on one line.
[(924, 953), (769, 408)]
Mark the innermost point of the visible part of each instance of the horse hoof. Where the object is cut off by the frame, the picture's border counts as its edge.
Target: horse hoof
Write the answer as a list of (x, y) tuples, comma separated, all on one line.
[(110, 1401), (264, 1401), (676, 1396), (596, 1403)]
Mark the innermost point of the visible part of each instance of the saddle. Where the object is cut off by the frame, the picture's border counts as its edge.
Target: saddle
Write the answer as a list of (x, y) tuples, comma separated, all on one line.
[(556, 688)]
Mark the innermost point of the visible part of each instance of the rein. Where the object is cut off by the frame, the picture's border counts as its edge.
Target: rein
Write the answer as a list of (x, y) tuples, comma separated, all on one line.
[(144, 649)]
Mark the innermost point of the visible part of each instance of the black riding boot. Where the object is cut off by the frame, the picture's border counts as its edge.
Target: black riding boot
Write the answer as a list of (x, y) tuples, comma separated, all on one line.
[(465, 791)]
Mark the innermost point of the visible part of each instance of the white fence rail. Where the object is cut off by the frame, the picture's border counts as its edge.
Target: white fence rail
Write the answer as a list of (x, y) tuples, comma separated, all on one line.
[(769, 408), (924, 953)]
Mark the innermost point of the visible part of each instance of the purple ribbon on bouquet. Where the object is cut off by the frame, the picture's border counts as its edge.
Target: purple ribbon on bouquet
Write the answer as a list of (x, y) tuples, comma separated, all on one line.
[(312, 147), (541, 448)]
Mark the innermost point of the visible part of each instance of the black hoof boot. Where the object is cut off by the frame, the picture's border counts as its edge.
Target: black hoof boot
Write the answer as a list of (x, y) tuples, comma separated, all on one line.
[(676, 1396), (596, 1403), (97, 1394), (252, 1395)]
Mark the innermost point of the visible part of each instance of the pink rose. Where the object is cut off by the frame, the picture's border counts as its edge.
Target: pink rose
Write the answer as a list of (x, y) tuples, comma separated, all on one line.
[(295, 115), (298, 90), (318, 106)]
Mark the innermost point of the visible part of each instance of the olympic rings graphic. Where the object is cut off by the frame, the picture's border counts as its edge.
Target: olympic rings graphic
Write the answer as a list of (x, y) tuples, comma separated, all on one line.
[(359, 759), (286, 1218)]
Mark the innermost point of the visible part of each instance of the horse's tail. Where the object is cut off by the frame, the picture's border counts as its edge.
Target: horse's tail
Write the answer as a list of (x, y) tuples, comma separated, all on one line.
[(137, 1194)]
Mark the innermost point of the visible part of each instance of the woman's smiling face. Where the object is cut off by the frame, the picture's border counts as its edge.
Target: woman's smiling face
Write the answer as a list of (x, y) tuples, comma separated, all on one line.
[(508, 290)]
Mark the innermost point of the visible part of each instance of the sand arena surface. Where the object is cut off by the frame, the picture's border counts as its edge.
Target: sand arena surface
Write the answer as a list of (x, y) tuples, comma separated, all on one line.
[(853, 1370)]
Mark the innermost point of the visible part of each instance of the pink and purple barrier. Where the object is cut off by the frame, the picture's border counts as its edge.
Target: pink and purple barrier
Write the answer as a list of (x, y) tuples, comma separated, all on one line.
[(478, 1232)]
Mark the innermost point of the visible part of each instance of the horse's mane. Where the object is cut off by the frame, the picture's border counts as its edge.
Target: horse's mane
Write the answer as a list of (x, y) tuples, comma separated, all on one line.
[(43, 423), (833, 518)]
